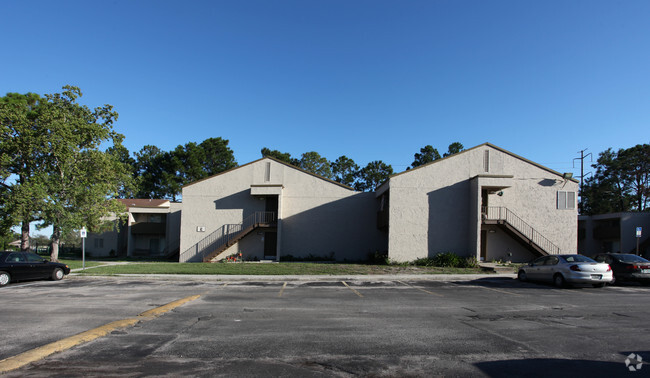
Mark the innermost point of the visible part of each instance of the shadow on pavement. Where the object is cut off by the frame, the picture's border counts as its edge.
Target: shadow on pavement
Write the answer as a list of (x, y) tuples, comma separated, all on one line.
[(506, 282), (553, 367)]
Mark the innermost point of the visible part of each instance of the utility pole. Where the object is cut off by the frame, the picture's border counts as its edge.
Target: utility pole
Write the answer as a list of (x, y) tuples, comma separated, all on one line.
[(582, 164)]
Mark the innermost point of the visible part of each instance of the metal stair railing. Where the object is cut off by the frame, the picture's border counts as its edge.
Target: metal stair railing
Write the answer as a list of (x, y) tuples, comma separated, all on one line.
[(504, 214), (226, 234)]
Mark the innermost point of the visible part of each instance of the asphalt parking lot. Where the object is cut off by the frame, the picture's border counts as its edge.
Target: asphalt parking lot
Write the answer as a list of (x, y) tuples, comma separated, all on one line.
[(485, 328)]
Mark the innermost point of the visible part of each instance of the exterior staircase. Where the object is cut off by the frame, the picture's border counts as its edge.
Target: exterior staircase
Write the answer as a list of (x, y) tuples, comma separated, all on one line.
[(227, 235), (520, 230)]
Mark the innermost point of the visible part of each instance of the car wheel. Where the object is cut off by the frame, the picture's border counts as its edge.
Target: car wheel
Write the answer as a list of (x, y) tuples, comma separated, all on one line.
[(559, 281), (57, 274), (5, 278), (602, 284), (522, 276)]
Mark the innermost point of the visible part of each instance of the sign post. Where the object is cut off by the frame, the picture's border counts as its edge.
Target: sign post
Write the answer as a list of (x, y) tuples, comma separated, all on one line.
[(83, 235), (638, 237)]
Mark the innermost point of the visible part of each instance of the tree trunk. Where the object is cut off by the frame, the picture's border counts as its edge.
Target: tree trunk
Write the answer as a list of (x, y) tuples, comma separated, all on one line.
[(24, 237), (56, 237)]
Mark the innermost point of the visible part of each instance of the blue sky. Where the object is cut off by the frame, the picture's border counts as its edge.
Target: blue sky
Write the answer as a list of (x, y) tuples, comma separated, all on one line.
[(367, 79)]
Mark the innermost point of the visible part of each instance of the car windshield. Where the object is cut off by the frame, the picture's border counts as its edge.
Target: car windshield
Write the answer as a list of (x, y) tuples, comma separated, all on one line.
[(631, 258), (578, 258)]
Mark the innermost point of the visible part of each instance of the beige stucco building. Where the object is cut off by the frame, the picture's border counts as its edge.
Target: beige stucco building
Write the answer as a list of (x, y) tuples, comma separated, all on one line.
[(484, 202), (614, 232), (151, 229), (267, 209)]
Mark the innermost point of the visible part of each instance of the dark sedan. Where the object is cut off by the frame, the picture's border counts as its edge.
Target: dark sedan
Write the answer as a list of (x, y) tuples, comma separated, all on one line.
[(24, 266), (627, 267)]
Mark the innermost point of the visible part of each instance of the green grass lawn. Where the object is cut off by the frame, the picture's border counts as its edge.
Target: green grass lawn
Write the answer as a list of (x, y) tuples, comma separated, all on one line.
[(271, 269)]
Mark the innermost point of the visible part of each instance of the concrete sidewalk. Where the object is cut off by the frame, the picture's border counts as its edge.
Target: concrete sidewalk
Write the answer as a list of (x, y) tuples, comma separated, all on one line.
[(304, 278)]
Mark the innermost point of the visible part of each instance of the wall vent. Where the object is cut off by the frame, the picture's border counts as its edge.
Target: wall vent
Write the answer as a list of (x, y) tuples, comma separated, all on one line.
[(486, 161)]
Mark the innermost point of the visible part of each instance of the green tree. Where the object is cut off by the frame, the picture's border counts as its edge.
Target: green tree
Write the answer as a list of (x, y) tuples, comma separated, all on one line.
[(155, 175), (314, 163), (122, 154), (454, 148), (22, 146), (7, 236), (192, 162), (217, 156), (621, 182), (373, 175), (345, 170), (79, 178), (427, 155), (162, 174), (282, 156)]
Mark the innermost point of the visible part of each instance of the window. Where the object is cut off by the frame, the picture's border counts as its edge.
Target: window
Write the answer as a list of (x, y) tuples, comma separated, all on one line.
[(33, 258), (16, 257), (566, 200), (551, 260)]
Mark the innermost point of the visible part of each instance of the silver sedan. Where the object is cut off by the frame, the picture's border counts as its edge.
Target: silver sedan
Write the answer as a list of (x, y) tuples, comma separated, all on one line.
[(567, 269)]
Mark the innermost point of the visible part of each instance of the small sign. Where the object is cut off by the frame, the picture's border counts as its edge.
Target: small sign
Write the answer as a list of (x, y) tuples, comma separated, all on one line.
[(83, 233), (638, 231)]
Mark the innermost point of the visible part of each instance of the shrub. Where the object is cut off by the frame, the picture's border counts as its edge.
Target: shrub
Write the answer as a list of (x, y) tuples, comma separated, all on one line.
[(308, 258), (447, 259), (378, 258), (469, 262), (425, 261)]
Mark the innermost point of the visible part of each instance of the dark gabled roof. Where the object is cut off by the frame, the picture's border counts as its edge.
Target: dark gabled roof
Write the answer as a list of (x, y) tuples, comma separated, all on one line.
[(277, 161), (473, 148)]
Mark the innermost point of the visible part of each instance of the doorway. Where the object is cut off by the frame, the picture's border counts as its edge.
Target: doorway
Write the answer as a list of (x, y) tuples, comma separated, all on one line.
[(270, 245)]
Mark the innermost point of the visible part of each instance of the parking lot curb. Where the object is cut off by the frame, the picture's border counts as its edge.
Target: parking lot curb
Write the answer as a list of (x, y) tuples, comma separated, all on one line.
[(283, 278)]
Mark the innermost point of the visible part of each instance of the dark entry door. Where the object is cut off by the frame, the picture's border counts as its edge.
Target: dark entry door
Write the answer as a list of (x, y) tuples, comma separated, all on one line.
[(271, 204), (270, 244)]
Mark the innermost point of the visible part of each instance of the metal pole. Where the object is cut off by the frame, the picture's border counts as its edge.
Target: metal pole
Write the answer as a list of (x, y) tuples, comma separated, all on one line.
[(637, 246), (83, 253)]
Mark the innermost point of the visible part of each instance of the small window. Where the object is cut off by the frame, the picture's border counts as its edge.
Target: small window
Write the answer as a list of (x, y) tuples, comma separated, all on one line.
[(566, 200)]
